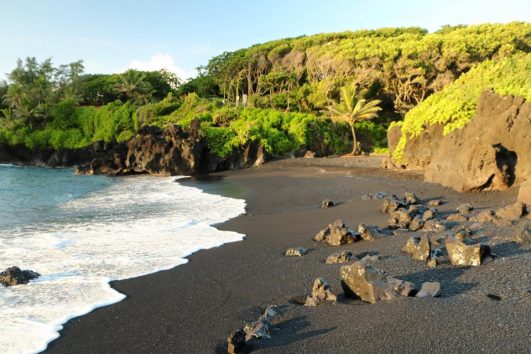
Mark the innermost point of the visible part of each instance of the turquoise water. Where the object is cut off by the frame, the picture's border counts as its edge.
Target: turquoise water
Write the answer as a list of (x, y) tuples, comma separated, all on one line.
[(30, 195), (81, 232)]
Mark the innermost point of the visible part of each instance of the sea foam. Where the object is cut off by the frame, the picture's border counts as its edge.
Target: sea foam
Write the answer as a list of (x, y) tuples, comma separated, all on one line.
[(137, 226)]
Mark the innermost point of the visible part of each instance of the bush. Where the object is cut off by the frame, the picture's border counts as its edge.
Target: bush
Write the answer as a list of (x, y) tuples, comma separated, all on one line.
[(112, 119)]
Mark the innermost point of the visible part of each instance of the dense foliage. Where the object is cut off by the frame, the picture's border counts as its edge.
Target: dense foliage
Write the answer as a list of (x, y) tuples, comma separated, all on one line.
[(400, 66), (277, 93), (456, 104)]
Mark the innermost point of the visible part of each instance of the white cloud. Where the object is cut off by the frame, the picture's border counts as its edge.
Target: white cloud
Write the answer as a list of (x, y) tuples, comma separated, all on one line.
[(161, 61)]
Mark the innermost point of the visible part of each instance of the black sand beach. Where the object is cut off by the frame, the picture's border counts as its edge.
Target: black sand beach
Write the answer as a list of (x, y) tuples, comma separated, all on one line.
[(194, 307)]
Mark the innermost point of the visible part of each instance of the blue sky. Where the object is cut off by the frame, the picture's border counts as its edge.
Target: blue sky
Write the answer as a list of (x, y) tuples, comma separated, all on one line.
[(112, 35)]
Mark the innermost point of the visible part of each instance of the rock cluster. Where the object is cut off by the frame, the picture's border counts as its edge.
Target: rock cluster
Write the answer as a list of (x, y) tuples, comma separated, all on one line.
[(340, 257), (432, 239), (15, 276), (336, 234)]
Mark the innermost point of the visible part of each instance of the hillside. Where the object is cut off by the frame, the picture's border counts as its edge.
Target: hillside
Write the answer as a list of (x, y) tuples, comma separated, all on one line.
[(454, 107), (275, 93)]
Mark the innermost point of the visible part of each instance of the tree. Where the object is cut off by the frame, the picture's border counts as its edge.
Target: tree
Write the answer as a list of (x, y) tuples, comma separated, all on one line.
[(36, 87), (134, 85), (30, 92), (353, 108), (68, 81)]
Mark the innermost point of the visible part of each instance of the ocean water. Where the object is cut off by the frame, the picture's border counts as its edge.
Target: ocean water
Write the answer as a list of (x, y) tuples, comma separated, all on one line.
[(81, 232)]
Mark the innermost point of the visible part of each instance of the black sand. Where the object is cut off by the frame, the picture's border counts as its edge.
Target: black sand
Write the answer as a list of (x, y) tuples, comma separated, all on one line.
[(192, 308)]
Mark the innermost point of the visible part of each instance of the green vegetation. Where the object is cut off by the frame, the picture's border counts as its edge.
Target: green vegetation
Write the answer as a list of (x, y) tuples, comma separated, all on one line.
[(399, 66), (277, 93), (353, 109), (455, 106)]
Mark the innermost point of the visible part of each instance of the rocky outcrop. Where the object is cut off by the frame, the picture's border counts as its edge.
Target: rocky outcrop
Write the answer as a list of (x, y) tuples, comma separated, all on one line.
[(152, 150), (524, 194), (492, 152), (15, 276)]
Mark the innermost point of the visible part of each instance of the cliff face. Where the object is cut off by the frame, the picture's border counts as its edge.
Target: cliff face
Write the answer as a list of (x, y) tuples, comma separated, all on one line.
[(492, 152), (152, 150)]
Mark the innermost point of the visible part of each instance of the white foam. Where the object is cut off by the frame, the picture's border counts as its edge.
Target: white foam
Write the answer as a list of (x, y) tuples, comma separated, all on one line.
[(138, 226)]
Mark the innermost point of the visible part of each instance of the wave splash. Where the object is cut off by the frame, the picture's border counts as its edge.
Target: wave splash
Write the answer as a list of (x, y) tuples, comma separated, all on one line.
[(137, 226)]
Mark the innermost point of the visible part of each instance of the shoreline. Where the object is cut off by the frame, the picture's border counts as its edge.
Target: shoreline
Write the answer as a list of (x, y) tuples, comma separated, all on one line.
[(194, 307), (77, 260)]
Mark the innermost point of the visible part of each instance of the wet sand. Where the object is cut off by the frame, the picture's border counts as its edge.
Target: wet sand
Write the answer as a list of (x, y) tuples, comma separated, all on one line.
[(194, 307)]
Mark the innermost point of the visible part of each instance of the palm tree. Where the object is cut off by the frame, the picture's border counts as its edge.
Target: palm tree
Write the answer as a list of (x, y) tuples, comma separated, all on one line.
[(133, 84), (352, 109)]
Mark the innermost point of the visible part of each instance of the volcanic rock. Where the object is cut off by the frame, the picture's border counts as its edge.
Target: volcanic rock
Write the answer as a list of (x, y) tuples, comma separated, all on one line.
[(512, 212), (327, 203), (524, 194), (430, 289), (429, 214), (236, 342), (488, 215), (296, 252), (465, 209), (462, 234), (416, 224), (174, 151), (370, 258), (410, 198), (392, 204), (262, 327), (465, 253), (369, 232), (400, 218), (374, 196), (15, 276), (336, 234), (372, 284), (523, 235), (339, 257), (435, 202), (492, 152), (320, 293), (433, 225), (418, 247)]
